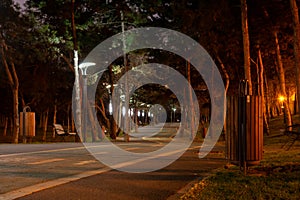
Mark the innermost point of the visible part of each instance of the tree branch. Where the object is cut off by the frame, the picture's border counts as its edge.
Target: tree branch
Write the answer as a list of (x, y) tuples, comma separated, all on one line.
[(68, 62), (7, 70)]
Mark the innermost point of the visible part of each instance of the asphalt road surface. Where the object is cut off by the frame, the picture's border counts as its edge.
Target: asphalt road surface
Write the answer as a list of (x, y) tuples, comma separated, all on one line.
[(68, 171)]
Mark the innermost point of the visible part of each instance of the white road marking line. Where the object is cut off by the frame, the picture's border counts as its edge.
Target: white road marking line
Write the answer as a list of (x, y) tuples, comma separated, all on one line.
[(100, 153), (43, 151), (46, 161), (46, 151), (85, 162), (131, 148), (42, 186)]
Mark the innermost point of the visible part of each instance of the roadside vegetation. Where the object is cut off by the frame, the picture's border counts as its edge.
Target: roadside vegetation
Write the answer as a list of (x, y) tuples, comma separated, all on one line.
[(277, 176)]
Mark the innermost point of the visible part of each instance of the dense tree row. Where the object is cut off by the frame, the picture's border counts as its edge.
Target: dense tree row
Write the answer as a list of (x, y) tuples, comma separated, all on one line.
[(37, 42)]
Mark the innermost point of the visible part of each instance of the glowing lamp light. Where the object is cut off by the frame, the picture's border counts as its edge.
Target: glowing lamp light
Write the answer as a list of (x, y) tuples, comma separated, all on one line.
[(281, 98), (131, 112), (110, 108), (123, 111)]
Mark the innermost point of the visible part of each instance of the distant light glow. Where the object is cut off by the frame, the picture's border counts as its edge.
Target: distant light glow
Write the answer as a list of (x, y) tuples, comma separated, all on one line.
[(123, 111), (110, 108), (281, 98), (131, 112)]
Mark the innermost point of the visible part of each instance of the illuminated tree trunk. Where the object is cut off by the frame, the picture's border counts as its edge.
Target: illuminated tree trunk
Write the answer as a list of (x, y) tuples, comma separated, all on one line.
[(14, 84), (246, 44), (282, 81), (267, 97), (5, 126), (76, 72), (262, 91), (296, 25), (126, 118), (54, 118), (227, 81), (192, 114), (45, 124)]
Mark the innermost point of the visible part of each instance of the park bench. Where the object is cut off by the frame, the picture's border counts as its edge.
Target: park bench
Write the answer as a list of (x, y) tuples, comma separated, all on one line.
[(293, 134), (59, 130)]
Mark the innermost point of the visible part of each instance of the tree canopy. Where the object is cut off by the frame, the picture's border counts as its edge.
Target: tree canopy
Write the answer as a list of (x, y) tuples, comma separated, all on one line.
[(39, 40)]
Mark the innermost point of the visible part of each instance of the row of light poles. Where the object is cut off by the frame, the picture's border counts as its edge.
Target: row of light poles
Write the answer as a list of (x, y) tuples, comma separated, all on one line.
[(141, 113)]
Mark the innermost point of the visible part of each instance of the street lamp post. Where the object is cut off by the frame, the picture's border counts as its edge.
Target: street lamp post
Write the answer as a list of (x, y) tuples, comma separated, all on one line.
[(282, 99), (174, 109), (84, 67), (110, 107)]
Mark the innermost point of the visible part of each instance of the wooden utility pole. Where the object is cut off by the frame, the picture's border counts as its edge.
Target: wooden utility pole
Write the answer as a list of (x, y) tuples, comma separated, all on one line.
[(246, 44), (296, 26)]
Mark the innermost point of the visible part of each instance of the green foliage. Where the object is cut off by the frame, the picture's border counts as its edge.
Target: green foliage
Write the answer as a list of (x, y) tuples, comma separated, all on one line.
[(233, 185), (277, 177), (116, 69)]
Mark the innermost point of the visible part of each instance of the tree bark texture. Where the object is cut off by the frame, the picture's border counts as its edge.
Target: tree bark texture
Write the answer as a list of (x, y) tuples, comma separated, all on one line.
[(246, 44), (282, 81), (262, 92), (192, 114), (296, 26), (76, 73), (13, 81), (45, 124)]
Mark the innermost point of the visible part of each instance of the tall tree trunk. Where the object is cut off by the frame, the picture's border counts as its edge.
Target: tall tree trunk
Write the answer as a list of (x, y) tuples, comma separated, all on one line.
[(227, 82), (101, 108), (45, 125), (126, 118), (282, 81), (16, 129), (262, 91), (192, 114), (5, 126), (246, 44), (72, 123), (14, 84), (267, 97), (76, 72), (68, 117), (296, 25), (92, 123), (136, 118), (54, 118), (183, 113)]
